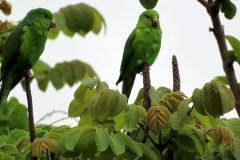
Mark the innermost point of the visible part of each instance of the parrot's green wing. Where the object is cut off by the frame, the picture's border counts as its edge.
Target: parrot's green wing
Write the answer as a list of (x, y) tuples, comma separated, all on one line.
[(13, 44), (128, 51), (127, 55)]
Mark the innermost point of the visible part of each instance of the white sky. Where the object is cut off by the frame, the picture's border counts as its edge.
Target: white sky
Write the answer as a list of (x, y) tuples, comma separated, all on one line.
[(185, 33)]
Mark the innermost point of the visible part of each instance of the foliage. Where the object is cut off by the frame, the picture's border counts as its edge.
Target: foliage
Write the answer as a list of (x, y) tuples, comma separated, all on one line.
[(175, 127), (79, 18)]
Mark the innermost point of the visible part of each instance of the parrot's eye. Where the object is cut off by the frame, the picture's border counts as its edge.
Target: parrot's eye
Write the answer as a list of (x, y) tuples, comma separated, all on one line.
[(45, 16)]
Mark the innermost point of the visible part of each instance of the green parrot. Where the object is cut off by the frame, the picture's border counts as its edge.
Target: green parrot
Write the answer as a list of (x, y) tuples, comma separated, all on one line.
[(142, 45), (23, 48)]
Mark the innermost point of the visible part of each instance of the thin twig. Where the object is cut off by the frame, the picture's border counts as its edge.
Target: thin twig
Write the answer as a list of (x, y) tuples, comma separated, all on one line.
[(176, 75), (30, 107), (50, 114), (146, 86)]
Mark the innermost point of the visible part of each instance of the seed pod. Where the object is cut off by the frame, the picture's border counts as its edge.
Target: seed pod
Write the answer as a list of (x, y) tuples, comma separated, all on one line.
[(6, 7), (157, 117), (172, 100), (42, 145), (222, 135)]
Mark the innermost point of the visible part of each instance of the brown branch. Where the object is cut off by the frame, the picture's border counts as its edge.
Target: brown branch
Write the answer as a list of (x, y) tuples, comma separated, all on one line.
[(213, 11), (176, 75), (203, 2), (146, 86), (30, 107)]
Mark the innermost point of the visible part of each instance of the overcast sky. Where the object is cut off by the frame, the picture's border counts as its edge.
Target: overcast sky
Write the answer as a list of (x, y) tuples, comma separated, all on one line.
[(185, 33)]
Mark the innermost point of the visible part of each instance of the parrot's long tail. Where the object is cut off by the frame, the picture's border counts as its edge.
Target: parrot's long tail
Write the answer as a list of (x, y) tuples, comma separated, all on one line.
[(4, 92), (128, 82)]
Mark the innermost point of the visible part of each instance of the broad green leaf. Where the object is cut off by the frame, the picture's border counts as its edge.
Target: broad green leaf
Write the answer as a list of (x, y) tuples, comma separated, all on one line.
[(179, 118), (16, 135), (9, 149), (117, 144), (149, 4), (101, 139), (56, 77), (149, 153), (198, 102), (119, 121), (133, 146), (228, 8), (190, 140), (72, 137), (234, 125), (17, 117), (79, 18), (79, 104), (133, 115), (68, 74)]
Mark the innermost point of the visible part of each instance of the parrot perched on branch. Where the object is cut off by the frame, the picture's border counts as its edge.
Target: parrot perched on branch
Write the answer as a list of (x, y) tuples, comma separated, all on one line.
[(142, 45), (23, 48)]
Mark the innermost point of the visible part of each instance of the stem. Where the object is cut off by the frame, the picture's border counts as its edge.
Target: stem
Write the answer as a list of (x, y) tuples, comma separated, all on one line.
[(176, 75), (213, 11), (146, 86), (30, 107)]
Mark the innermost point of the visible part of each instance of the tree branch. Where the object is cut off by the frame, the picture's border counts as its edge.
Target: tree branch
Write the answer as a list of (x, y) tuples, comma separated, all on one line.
[(176, 75), (213, 11), (30, 107), (203, 2), (146, 86), (50, 114)]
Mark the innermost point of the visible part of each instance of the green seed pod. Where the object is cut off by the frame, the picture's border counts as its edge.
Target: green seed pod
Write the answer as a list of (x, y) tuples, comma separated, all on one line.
[(172, 100), (222, 135), (42, 145), (157, 117)]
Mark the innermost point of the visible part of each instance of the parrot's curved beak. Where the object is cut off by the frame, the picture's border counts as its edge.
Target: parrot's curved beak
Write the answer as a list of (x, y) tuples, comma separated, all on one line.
[(154, 23), (52, 24)]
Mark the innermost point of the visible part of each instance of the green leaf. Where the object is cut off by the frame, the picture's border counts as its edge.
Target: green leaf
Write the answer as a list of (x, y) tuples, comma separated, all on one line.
[(68, 74), (79, 18), (228, 8), (235, 44), (133, 115), (73, 136), (198, 103), (149, 153), (79, 104), (56, 77), (191, 140), (149, 4), (133, 146), (117, 144), (179, 118), (101, 139), (16, 135)]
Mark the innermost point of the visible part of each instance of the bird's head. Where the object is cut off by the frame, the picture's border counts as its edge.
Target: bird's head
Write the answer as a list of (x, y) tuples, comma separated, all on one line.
[(41, 17), (149, 18)]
